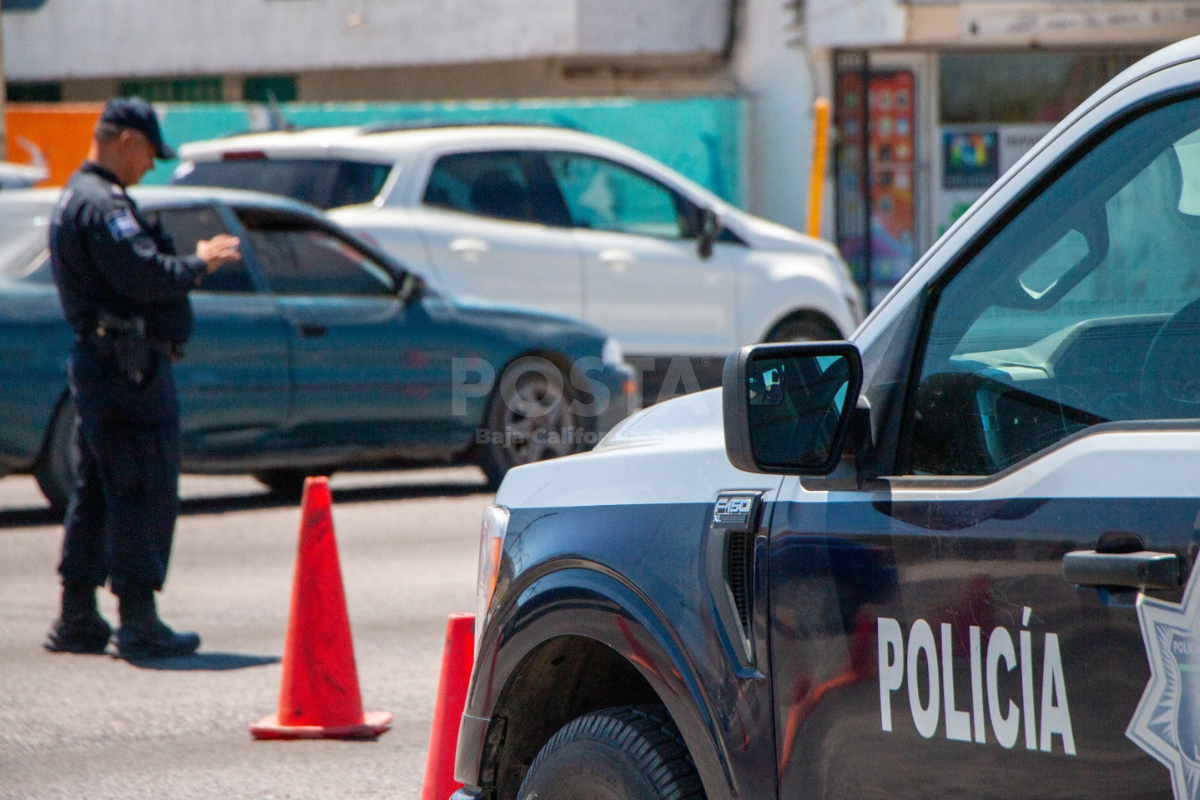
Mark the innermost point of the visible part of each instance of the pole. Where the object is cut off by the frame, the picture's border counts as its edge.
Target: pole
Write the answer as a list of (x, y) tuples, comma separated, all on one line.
[(816, 178)]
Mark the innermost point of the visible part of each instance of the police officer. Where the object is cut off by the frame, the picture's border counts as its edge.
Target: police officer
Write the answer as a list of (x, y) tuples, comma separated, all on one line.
[(124, 293)]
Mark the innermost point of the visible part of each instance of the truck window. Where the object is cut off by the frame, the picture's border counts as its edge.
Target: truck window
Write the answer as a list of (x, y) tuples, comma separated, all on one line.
[(1083, 309)]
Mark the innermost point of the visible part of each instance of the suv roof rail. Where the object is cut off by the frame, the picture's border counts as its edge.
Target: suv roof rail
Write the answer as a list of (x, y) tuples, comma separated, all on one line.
[(428, 124)]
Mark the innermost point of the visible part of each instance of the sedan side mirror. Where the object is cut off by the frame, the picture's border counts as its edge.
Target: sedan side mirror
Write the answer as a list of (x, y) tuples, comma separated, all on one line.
[(411, 288), (709, 228), (787, 406)]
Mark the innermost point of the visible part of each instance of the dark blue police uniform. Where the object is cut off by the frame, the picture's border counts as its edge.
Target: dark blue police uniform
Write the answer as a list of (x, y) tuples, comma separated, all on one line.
[(109, 264)]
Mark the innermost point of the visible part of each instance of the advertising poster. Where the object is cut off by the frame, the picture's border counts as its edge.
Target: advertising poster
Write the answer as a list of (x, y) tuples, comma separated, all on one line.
[(972, 158), (892, 153)]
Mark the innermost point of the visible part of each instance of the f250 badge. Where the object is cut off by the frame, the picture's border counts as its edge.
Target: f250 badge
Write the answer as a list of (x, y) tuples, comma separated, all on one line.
[(1167, 721)]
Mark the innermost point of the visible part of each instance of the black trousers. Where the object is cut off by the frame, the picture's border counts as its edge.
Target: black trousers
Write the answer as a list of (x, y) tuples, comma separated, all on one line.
[(121, 518)]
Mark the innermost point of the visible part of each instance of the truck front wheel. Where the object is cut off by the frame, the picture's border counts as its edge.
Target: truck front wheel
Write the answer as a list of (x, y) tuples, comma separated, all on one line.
[(626, 753)]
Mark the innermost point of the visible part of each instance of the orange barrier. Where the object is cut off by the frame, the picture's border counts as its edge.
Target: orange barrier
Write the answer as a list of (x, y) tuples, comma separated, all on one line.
[(61, 131), (319, 696), (458, 657), (816, 176)]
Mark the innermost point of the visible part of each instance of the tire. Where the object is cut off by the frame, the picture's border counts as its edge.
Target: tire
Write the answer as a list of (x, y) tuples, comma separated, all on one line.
[(626, 753), (56, 470), (288, 484), (804, 328), (529, 418)]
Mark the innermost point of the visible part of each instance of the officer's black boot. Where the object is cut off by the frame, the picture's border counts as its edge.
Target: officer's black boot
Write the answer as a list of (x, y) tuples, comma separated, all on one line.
[(79, 628), (143, 636)]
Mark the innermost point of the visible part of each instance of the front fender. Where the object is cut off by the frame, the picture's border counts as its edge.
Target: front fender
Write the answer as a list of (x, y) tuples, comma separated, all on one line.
[(582, 599)]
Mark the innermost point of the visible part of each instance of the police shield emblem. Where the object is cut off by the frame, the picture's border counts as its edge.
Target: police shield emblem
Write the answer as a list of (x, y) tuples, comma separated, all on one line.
[(1166, 723), (1184, 655)]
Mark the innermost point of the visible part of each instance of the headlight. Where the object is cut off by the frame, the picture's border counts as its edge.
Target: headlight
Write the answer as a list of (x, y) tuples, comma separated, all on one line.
[(491, 545), (611, 353)]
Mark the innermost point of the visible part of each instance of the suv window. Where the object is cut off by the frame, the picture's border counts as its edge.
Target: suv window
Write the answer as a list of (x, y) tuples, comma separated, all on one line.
[(509, 185), (1084, 309), (324, 183), (299, 258), (184, 227), (606, 196)]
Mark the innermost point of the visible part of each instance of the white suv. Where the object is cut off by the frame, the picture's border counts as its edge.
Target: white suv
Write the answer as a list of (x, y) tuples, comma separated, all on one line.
[(561, 221)]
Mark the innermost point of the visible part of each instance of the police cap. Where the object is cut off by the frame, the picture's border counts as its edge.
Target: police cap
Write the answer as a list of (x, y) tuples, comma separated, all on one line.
[(136, 114)]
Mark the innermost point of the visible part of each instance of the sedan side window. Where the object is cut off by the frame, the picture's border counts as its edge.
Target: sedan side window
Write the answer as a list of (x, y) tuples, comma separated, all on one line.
[(184, 227), (1084, 309), (299, 258), (603, 195)]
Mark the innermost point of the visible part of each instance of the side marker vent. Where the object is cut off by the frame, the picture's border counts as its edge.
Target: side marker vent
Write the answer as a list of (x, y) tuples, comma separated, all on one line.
[(738, 568)]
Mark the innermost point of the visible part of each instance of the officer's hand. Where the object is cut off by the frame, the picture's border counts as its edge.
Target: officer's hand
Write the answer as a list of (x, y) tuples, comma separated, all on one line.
[(219, 250)]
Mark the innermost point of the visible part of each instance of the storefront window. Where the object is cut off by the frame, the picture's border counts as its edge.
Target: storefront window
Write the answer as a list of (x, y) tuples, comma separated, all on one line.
[(1022, 87)]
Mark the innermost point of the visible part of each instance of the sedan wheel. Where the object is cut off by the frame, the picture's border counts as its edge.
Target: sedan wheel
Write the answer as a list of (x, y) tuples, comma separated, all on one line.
[(56, 470), (529, 418), (288, 484)]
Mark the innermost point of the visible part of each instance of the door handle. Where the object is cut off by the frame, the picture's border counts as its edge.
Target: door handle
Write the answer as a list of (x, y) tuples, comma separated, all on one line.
[(311, 329), (1142, 570), (469, 247), (616, 260)]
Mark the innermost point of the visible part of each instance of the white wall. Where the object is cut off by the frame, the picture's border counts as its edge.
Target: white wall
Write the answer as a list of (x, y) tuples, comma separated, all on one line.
[(131, 38), (774, 74)]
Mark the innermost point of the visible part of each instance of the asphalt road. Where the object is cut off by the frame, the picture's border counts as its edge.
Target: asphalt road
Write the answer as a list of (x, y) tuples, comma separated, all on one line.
[(96, 727)]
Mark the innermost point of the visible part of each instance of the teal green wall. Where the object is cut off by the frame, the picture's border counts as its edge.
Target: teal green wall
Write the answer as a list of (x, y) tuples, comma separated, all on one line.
[(701, 137)]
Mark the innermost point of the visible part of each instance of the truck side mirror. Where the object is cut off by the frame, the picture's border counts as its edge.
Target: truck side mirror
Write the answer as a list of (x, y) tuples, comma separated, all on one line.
[(787, 406), (709, 228)]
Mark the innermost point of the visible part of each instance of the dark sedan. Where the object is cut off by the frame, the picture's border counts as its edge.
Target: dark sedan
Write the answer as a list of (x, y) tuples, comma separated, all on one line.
[(313, 353)]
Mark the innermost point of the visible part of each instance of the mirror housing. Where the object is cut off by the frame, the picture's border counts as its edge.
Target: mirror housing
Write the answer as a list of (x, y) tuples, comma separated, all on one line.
[(708, 229), (411, 288), (787, 407)]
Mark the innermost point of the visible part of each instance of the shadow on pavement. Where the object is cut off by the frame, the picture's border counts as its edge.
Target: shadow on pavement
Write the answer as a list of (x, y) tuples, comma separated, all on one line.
[(220, 504), (206, 662)]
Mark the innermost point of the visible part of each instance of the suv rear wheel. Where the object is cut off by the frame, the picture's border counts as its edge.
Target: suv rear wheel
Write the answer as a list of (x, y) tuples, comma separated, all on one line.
[(625, 753), (804, 328)]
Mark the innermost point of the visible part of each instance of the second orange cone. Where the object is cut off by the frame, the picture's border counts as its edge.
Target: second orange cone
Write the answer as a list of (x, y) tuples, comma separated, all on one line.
[(319, 697)]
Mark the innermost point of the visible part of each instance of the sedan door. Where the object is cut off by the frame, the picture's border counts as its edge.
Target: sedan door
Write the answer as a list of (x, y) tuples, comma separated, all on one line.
[(1009, 613), (495, 231), (365, 368), (234, 382)]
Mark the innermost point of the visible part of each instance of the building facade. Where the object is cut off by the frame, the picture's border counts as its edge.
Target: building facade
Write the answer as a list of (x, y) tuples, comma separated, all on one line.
[(956, 93), (326, 51)]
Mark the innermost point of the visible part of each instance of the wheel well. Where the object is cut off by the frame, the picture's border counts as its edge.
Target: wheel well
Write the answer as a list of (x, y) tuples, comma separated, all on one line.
[(47, 437), (565, 678), (807, 315)]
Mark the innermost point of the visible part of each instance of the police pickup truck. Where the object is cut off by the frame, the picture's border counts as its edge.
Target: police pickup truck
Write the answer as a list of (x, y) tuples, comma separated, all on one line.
[(948, 558)]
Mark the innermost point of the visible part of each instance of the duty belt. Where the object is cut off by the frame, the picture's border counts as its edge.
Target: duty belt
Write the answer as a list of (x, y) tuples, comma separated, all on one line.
[(113, 327), (130, 345)]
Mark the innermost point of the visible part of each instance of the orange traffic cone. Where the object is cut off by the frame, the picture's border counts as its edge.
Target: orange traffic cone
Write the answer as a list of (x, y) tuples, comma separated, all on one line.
[(319, 696), (458, 658)]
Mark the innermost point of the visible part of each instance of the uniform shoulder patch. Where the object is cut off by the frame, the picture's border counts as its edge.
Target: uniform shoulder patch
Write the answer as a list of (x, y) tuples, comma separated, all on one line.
[(122, 224)]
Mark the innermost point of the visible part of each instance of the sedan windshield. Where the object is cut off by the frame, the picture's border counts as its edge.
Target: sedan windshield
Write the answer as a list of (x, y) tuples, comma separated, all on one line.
[(23, 231)]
